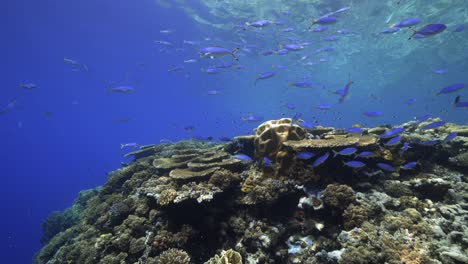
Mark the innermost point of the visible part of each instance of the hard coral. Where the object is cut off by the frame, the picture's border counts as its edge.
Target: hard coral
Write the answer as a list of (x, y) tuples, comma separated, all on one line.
[(226, 257), (270, 136), (173, 256), (338, 196)]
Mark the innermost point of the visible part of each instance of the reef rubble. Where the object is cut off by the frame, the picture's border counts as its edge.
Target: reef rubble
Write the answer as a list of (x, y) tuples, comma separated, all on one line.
[(196, 202)]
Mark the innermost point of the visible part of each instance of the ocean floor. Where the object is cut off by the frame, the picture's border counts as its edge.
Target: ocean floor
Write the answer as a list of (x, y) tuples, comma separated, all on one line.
[(285, 194)]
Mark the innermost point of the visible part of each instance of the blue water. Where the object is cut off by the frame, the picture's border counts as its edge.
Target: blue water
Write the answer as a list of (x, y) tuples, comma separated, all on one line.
[(65, 135)]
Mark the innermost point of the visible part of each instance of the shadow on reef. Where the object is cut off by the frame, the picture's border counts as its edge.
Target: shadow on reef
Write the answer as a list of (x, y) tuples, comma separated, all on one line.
[(321, 195)]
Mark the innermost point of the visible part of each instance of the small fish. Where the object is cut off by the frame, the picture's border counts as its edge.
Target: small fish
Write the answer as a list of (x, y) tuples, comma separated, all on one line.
[(355, 164), (8, 107), (302, 84), (393, 141), (410, 165), (330, 38), (191, 42), (406, 23), (282, 51), (345, 152), (343, 93), (325, 20), (324, 107), (264, 76), (166, 31), (324, 60), (305, 124), (428, 30), (213, 92), (267, 53), (450, 137), (344, 32), (385, 166), (430, 142), (252, 118), (296, 117), (162, 42), (461, 104), (211, 70), (393, 132), (410, 101), (189, 128), (423, 118), (440, 71), (290, 106), (305, 155), (451, 88), (372, 113), (434, 125), (293, 47), (259, 24), (320, 160), (460, 28), (27, 86), (121, 89), (404, 148), (267, 162), (320, 29), (176, 68), (129, 145), (354, 130), (243, 157), (216, 52), (190, 61), (201, 138), (341, 10), (390, 30), (365, 155)]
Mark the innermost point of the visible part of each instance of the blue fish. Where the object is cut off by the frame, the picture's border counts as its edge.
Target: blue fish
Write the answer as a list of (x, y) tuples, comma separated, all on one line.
[(429, 30), (293, 47), (411, 101), (385, 166), (450, 136), (451, 88), (302, 84), (390, 30), (372, 113), (320, 160), (267, 162), (243, 157), (404, 148), (305, 124), (460, 28), (393, 141), (296, 117), (345, 152), (213, 92), (461, 104), (305, 155), (282, 52), (324, 20), (267, 53), (324, 107), (252, 118), (407, 23), (264, 76), (355, 164), (330, 38), (431, 142), (216, 52), (354, 130), (365, 155), (440, 71), (259, 24), (393, 132), (423, 118), (410, 165), (212, 70), (434, 125), (343, 93), (320, 29)]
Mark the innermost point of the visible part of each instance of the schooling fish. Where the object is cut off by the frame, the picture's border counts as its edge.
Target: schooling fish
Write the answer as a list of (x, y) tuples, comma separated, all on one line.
[(429, 30), (393, 132), (259, 24), (451, 88), (365, 155), (406, 23), (302, 84), (27, 86), (385, 166), (8, 107), (390, 30), (129, 145), (343, 93), (355, 164), (213, 92), (460, 28), (320, 160), (404, 148), (305, 124), (252, 118), (330, 38), (121, 89), (345, 152), (243, 157), (393, 141), (410, 165), (293, 47), (411, 101), (324, 20), (264, 76), (216, 52), (372, 113), (450, 136), (440, 71), (461, 104), (324, 107), (320, 29), (267, 162), (423, 118), (305, 155), (433, 125)]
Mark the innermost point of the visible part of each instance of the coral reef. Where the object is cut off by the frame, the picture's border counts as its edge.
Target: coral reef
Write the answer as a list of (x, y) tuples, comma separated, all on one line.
[(193, 202)]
